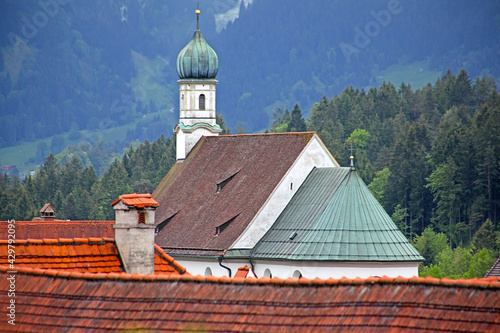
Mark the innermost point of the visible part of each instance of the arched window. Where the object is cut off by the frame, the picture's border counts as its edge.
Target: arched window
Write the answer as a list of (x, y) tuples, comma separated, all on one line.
[(202, 102), (297, 275), (267, 273), (208, 271)]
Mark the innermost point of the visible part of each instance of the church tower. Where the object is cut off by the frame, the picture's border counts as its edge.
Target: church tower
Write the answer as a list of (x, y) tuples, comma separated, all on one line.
[(197, 66)]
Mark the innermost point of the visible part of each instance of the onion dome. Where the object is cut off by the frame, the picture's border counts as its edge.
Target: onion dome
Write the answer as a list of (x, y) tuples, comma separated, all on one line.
[(197, 60)]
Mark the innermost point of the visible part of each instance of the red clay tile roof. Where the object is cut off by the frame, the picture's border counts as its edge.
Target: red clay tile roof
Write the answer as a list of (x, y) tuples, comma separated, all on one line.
[(48, 300), (137, 200), (494, 270), (60, 229), (190, 206), (92, 255)]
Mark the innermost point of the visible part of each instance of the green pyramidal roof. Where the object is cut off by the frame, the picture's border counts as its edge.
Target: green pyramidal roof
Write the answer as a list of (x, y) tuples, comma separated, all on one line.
[(334, 216)]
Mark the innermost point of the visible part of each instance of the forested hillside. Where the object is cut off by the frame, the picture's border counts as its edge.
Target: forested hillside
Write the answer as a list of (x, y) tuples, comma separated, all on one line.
[(431, 156), (87, 82), (76, 69)]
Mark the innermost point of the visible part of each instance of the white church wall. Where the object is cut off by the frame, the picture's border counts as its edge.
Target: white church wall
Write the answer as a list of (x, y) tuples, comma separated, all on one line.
[(335, 270), (195, 136), (315, 154), (198, 266), (306, 269), (189, 93), (186, 141), (180, 150)]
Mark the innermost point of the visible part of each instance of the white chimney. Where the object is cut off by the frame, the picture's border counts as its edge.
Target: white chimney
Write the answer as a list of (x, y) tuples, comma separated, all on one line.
[(135, 231)]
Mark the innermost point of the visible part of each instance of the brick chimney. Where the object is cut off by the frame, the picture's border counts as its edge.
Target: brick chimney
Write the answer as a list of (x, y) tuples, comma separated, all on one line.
[(135, 231)]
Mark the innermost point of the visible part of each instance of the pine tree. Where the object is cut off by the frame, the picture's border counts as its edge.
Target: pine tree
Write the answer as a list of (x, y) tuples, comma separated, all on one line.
[(70, 208), (70, 175), (297, 123), (463, 93), (446, 189), (46, 181)]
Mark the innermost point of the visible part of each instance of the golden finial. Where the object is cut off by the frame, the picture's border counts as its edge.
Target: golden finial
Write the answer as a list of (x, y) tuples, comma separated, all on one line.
[(197, 16)]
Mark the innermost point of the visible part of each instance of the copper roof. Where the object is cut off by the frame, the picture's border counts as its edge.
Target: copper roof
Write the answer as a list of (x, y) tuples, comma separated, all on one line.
[(223, 183), (48, 300), (137, 200), (60, 229), (93, 255), (334, 216)]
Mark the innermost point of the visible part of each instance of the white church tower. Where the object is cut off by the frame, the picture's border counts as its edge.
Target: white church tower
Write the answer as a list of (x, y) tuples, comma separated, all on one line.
[(197, 66)]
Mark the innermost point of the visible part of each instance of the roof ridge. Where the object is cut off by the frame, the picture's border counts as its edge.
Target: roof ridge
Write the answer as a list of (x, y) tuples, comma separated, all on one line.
[(89, 240), (483, 283), (266, 134)]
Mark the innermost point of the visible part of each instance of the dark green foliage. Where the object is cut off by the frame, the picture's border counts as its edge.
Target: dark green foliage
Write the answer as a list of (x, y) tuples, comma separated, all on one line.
[(75, 191), (220, 121), (431, 156), (430, 244), (439, 145), (297, 122), (279, 123), (288, 122)]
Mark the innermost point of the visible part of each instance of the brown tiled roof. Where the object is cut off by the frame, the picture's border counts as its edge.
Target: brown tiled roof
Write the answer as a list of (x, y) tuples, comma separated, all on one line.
[(137, 200), (93, 255), (48, 300), (175, 251), (60, 229), (494, 270), (190, 206)]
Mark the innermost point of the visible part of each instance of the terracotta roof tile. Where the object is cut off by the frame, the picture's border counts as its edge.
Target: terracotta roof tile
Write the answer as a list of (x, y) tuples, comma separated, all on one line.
[(247, 160), (84, 255), (137, 200), (60, 229), (65, 301)]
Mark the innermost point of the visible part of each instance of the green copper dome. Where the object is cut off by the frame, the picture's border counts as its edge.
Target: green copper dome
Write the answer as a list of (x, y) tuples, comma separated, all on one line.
[(197, 60)]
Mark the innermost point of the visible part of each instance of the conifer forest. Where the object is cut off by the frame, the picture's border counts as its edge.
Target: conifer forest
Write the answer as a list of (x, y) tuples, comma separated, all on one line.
[(431, 156)]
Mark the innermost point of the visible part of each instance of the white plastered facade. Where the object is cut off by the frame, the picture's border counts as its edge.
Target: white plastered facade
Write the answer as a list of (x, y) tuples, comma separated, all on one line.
[(189, 101), (197, 114), (333, 269), (306, 269), (315, 154)]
